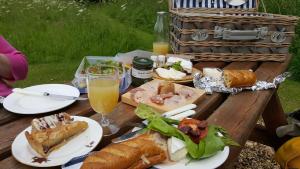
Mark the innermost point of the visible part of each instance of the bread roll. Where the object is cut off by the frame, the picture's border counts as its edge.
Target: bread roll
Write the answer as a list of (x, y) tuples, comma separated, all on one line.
[(239, 78), (141, 152), (166, 88)]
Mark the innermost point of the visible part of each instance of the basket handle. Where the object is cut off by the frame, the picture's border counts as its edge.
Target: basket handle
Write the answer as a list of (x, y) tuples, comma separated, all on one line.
[(228, 34)]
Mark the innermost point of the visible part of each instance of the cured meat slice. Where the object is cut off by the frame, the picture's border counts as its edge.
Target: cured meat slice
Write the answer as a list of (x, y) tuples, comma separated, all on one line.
[(157, 99), (186, 92)]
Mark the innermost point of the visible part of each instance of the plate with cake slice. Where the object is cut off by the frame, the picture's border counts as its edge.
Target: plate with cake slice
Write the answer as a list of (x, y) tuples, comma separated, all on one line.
[(54, 140)]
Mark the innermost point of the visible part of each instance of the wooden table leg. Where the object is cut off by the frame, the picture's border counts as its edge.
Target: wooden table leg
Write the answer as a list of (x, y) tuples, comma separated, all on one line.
[(274, 117)]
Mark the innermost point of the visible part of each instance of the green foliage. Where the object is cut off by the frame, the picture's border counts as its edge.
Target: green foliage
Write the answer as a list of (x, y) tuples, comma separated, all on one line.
[(55, 31), (140, 14), (177, 66), (288, 7), (289, 93)]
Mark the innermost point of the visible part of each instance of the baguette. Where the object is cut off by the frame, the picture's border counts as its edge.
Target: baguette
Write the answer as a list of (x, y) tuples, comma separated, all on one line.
[(47, 140), (141, 152), (239, 78)]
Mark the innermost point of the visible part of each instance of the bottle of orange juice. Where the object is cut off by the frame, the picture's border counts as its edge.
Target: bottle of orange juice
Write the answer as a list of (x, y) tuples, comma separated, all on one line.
[(161, 31)]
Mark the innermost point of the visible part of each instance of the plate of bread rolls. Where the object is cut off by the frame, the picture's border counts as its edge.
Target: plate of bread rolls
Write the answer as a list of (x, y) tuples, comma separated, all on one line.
[(54, 140)]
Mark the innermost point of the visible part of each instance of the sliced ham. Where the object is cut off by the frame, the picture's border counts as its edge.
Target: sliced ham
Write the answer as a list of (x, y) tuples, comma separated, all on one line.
[(159, 99), (186, 92)]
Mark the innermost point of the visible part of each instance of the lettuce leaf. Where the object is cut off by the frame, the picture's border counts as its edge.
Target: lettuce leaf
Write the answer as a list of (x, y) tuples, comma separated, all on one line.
[(159, 125), (144, 111), (216, 139)]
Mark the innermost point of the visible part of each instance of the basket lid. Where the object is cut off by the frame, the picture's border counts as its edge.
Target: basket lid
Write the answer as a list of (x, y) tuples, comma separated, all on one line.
[(220, 5)]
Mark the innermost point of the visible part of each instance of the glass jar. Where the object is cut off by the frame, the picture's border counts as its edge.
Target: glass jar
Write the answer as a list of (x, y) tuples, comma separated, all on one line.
[(161, 33), (141, 70)]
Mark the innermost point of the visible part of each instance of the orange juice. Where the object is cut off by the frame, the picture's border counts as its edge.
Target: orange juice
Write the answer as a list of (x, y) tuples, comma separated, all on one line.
[(160, 48), (103, 94)]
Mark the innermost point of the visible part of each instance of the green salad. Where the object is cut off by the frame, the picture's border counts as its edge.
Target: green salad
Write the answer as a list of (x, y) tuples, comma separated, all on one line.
[(216, 139), (98, 68)]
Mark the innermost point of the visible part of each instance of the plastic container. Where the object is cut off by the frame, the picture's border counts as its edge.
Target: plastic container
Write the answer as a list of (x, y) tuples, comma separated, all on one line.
[(80, 77)]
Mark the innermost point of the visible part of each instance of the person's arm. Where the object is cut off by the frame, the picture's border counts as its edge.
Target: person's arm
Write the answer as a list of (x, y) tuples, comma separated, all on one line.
[(5, 70), (13, 63)]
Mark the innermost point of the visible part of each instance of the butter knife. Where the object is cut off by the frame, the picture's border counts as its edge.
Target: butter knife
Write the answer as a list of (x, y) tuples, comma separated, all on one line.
[(128, 136), (47, 94)]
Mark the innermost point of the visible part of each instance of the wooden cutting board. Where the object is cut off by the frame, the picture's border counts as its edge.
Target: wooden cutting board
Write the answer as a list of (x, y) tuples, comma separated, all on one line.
[(150, 89)]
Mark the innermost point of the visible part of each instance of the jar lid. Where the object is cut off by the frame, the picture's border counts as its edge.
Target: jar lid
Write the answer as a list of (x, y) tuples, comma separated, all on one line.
[(142, 61)]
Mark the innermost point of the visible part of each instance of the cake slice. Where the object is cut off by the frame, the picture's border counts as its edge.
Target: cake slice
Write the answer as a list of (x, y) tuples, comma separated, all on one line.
[(51, 132), (51, 121)]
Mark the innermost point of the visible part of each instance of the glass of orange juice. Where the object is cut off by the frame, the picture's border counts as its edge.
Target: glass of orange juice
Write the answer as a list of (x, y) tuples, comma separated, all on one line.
[(103, 93)]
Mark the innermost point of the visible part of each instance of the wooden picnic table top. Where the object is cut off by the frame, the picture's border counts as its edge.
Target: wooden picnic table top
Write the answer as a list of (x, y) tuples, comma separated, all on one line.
[(238, 114)]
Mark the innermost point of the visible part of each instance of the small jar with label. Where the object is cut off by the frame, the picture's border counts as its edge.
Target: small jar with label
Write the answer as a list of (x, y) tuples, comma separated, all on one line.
[(141, 70)]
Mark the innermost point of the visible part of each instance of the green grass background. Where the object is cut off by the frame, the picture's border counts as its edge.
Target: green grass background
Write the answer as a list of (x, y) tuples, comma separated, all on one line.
[(56, 34)]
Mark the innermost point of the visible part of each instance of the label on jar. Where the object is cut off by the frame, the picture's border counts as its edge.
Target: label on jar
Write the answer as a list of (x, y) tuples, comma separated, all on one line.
[(142, 74)]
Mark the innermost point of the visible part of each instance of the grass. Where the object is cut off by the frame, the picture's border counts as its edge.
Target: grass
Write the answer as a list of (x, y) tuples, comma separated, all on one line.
[(289, 93), (56, 34)]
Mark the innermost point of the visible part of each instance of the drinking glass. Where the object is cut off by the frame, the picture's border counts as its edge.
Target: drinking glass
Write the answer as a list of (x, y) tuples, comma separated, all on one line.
[(103, 93)]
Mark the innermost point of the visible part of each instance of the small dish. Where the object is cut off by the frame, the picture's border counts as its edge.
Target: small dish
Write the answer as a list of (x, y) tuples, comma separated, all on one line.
[(236, 2)]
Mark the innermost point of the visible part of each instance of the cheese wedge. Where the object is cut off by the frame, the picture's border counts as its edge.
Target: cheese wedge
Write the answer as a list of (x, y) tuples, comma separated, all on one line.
[(176, 149), (213, 73), (170, 73)]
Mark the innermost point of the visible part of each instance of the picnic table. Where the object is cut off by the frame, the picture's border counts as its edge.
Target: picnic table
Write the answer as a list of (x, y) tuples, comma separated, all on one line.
[(238, 114)]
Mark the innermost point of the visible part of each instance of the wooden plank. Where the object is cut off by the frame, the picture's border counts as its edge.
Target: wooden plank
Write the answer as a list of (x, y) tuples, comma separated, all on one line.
[(239, 113), (202, 65), (6, 117), (124, 113), (274, 117)]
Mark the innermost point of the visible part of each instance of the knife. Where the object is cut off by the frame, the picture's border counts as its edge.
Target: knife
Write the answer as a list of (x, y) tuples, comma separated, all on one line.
[(128, 136), (47, 94), (179, 110)]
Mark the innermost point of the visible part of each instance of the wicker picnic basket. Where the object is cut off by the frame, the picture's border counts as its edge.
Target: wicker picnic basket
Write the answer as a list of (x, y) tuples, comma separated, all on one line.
[(212, 30)]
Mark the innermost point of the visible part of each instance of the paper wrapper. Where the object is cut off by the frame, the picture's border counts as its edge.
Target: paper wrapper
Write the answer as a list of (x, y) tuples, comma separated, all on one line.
[(211, 85)]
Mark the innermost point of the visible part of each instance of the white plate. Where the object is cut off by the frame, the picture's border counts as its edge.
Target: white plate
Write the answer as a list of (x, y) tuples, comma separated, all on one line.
[(79, 145), (236, 2), (27, 104), (207, 163)]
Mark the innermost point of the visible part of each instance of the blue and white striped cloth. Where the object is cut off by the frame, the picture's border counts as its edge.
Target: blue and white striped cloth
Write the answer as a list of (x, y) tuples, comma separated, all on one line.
[(211, 4)]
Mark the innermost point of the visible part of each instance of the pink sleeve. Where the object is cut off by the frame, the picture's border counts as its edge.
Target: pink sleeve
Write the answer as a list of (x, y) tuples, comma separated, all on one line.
[(17, 60)]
